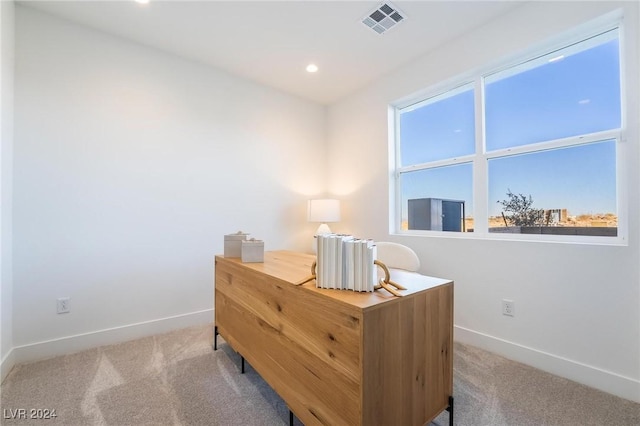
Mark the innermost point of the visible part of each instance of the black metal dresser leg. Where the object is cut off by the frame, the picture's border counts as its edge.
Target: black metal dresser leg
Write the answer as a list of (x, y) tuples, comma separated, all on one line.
[(450, 410), (215, 338)]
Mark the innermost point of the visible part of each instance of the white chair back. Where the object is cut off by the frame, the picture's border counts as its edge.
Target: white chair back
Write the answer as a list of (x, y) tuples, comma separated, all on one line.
[(398, 256)]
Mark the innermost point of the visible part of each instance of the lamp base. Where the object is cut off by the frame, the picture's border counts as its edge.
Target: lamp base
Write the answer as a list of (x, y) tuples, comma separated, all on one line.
[(323, 229)]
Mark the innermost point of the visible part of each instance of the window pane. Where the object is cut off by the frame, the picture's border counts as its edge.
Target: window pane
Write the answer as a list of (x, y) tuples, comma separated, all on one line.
[(438, 199), (441, 128), (574, 187), (571, 92)]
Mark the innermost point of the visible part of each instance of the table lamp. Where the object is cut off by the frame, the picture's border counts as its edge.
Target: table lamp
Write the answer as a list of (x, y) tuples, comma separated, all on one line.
[(323, 211)]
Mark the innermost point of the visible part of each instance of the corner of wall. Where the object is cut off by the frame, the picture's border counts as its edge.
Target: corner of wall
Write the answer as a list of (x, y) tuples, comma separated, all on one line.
[(6, 364), (7, 18)]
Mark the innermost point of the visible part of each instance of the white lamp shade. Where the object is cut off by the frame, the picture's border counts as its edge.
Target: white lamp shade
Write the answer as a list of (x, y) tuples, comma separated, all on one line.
[(323, 210)]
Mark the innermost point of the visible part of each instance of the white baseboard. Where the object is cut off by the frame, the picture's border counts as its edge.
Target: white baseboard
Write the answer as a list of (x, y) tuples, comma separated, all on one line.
[(79, 342), (6, 364), (624, 387)]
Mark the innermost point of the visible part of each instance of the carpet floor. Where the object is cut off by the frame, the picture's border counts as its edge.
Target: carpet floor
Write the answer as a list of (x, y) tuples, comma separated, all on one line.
[(177, 379)]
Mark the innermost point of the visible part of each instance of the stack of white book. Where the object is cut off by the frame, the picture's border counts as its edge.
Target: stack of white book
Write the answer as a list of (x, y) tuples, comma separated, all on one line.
[(345, 263)]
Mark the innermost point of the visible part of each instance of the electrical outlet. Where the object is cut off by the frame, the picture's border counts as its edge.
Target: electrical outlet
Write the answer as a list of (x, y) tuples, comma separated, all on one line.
[(63, 305), (508, 307)]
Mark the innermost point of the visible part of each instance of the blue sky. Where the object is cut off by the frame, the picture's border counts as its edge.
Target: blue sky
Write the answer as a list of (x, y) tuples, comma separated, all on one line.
[(576, 94)]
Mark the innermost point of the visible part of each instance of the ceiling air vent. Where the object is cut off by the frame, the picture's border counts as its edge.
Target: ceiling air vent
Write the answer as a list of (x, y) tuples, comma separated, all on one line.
[(383, 18)]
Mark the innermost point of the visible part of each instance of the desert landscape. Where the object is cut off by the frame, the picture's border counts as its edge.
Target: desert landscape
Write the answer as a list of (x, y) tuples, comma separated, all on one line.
[(600, 220)]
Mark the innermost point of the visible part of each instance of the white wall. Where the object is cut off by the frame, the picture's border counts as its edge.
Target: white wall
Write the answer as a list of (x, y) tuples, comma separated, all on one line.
[(577, 306), (6, 166), (129, 167)]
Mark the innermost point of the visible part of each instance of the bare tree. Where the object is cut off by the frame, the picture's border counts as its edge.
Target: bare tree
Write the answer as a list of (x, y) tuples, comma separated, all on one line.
[(519, 211)]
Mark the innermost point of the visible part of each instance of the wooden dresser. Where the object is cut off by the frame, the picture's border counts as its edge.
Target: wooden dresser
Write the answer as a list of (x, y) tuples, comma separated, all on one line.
[(339, 357)]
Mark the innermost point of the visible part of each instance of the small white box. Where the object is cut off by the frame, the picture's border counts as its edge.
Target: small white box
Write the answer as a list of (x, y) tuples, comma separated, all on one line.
[(233, 244), (252, 250)]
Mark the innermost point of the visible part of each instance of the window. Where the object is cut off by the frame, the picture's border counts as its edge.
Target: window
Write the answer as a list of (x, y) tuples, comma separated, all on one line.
[(437, 148), (537, 141)]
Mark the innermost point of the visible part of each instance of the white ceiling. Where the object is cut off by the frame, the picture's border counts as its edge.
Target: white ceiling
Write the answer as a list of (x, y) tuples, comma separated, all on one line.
[(271, 42)]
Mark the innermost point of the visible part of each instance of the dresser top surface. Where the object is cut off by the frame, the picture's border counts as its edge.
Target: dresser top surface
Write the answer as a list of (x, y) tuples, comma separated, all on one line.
[(295, 268)]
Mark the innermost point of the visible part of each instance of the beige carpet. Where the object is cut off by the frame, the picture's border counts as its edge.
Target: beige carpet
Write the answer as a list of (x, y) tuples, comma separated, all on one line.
[(177, 379)]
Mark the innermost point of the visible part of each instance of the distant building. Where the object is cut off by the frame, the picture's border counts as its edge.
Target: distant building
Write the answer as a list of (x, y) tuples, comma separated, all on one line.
[(555, 216)]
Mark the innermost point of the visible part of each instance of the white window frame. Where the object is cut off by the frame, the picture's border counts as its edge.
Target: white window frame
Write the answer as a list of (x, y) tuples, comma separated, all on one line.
[(481, 157)]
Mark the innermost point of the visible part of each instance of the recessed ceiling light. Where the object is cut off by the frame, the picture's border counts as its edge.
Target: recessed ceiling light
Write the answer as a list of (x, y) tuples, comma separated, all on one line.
[(142, 1), (312, 68)]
